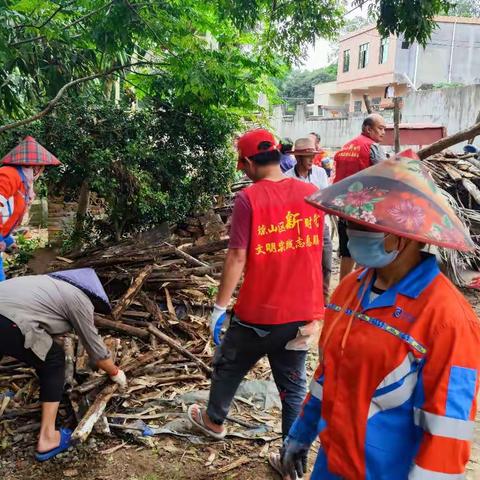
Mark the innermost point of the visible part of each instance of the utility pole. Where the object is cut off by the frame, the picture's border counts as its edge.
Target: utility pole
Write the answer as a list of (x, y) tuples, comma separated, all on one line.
[(396, 123)]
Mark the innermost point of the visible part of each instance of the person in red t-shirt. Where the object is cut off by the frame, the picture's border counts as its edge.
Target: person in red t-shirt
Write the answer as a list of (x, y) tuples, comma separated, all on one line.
[(276, 241)]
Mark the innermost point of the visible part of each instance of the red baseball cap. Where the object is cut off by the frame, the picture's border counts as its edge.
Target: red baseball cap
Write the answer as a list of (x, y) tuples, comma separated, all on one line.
[(249, 143)]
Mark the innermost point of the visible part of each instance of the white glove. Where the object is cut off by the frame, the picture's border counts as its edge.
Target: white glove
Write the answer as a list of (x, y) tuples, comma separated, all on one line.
[(120, 379), (219, 315)]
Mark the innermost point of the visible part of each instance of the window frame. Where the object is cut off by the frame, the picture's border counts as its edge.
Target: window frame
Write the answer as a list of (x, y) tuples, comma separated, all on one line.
[(346, 54), (363, 55), (383, 51), (355, 104)]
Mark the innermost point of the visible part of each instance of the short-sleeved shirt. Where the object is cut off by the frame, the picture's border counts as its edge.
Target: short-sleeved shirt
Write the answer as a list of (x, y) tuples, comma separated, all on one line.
[(241, 222)]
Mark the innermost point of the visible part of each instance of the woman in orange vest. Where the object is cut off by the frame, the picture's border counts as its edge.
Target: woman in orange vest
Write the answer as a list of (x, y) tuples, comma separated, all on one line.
[(21, 167), (394, 394)]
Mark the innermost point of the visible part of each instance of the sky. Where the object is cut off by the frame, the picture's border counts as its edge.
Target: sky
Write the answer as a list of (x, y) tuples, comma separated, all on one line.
[(317, 56)]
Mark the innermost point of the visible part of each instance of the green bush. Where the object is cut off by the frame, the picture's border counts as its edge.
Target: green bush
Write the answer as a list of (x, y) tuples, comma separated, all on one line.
[(154, 164)]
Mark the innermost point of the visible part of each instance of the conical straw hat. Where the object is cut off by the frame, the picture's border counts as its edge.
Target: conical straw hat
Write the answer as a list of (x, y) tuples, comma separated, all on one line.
[(30, 153), (396, 196)]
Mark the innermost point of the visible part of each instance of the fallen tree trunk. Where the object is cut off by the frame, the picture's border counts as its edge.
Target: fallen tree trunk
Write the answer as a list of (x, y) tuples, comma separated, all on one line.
[(446, 142)]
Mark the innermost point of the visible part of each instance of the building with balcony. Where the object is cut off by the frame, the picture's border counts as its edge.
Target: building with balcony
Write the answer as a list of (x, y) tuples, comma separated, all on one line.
[(383, 67)]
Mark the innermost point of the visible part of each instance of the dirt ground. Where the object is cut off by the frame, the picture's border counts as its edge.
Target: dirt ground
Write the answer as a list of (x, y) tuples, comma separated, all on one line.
[(167, 458)]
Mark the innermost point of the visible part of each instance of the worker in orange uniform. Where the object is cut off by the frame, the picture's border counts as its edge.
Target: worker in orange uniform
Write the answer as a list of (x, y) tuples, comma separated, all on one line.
[(394, 394), (276, 238), (20, 168), (359, 153)]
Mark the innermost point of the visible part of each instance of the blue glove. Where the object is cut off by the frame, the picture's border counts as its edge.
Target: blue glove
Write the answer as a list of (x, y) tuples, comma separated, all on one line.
[(294, 458), (219, 315)]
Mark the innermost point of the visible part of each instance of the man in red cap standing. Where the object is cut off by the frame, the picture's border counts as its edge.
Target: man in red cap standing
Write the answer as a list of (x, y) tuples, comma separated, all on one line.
[(276, 240), (20, 168)]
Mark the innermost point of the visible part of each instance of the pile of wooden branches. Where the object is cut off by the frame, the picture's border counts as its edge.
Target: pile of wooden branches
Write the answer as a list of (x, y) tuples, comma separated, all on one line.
[(161, 292), (459, 177)]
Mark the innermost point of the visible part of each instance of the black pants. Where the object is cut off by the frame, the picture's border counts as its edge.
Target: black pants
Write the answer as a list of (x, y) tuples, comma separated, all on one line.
[(51, 372), (343, 239), (240, 350)]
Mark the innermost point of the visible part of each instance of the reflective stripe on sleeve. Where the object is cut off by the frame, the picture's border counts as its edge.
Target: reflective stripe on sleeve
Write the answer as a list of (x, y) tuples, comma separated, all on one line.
[(419, 473), (316, 390), (444, 426)]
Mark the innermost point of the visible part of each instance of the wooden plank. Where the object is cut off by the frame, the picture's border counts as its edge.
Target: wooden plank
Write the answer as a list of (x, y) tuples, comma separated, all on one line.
[(452, 173), (132, 292), (472, 189)]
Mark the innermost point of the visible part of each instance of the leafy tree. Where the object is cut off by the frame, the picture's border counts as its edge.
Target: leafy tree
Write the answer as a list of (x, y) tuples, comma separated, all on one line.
[(466, 8), (154, 164), (412, 18), (299, 85)]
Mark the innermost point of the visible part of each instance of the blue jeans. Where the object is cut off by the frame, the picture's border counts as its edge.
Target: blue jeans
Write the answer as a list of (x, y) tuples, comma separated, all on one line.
[(240, 350)]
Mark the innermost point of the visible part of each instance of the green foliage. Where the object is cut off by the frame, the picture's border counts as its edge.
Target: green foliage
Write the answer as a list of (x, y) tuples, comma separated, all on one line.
[(299, 85), (465, 8), (447, 85), (25, 251), (412, 18), (154, 164)]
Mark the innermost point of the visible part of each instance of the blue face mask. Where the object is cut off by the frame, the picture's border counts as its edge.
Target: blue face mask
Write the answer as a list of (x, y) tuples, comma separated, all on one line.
[(368, 248)]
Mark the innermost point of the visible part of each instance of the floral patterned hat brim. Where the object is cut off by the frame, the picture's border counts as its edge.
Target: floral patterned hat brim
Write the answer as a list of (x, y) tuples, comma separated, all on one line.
[(396, 196), (30, 153)]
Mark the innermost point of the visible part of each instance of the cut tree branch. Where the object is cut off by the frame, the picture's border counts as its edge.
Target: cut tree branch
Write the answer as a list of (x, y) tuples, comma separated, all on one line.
[(62, 91), (446, 142)]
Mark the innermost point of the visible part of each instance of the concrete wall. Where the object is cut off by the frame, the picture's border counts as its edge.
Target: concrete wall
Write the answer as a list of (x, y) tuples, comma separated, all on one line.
[(451, 55), (455, 108)]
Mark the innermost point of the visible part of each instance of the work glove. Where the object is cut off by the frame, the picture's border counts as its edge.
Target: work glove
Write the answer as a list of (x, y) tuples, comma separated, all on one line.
[(120, 379), (294, 458), (219, 315)]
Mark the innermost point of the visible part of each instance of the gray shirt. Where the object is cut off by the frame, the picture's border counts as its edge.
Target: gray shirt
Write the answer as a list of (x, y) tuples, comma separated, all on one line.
[(377, 154), (42, 306)]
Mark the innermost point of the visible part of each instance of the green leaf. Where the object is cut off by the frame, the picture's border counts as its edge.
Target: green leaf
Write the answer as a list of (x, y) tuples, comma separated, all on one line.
[(356, 187)]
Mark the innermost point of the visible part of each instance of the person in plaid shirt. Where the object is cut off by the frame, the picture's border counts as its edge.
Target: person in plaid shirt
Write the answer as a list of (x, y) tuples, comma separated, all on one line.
[(20, 168)]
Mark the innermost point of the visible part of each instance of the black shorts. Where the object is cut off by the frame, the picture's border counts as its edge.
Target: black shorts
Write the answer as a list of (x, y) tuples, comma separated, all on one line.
[(343, 239)]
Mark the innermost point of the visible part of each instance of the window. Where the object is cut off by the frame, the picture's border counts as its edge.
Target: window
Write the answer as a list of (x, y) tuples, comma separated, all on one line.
[(405, 45), (383, 56), (321, 111), (357, 106), (375, 103), (363, 55), (346, 61)]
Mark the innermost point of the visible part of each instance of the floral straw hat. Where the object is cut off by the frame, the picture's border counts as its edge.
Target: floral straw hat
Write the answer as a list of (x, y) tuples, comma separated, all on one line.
[(396, 196)]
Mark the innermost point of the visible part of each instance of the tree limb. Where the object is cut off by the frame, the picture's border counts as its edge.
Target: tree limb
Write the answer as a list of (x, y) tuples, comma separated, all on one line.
[(62, 91), (70, 25), (446, 142)]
